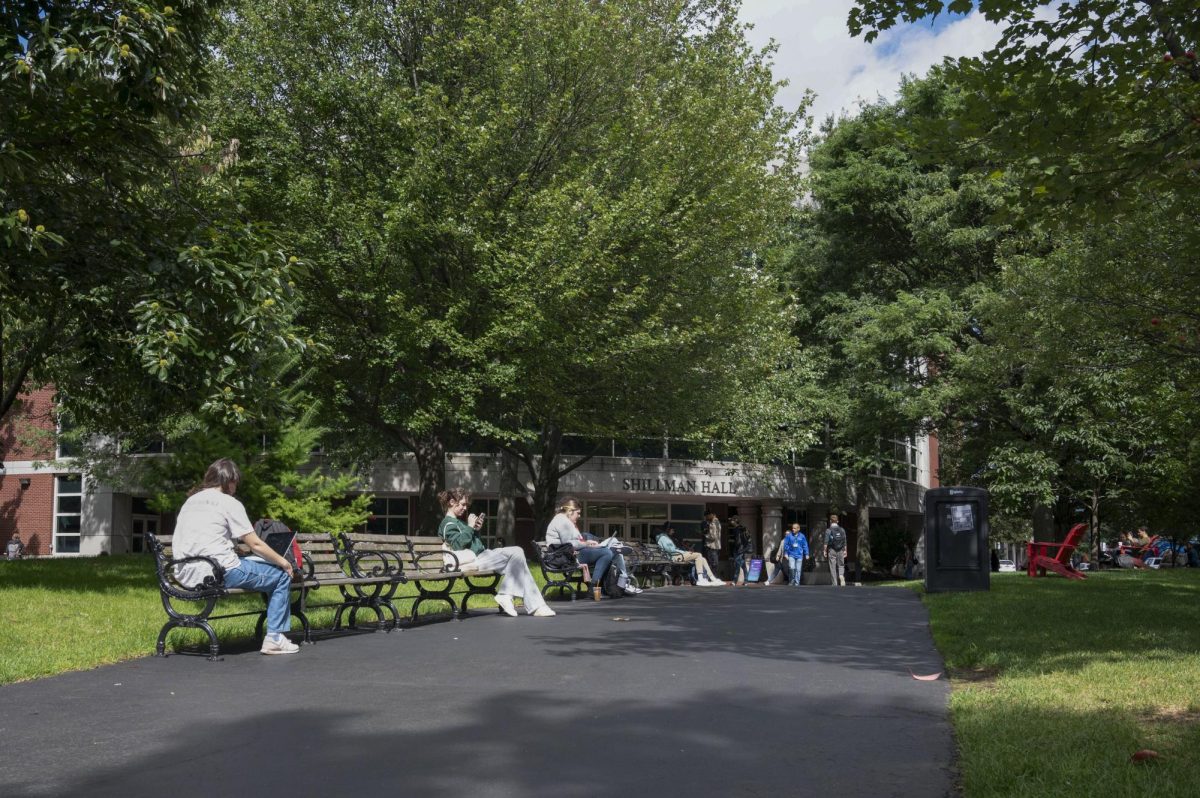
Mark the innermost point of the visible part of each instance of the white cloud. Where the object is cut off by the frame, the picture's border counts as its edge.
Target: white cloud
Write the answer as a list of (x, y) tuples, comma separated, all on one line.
[(817, 52)]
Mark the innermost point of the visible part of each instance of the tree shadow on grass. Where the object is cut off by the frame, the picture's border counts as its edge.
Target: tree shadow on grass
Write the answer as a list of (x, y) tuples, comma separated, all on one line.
[(1050, 625)]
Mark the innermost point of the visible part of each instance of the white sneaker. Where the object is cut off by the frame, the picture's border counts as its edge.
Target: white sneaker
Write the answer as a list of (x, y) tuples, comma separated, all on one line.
[(543, 611), (283, 646), (506, 603), (716, 583)]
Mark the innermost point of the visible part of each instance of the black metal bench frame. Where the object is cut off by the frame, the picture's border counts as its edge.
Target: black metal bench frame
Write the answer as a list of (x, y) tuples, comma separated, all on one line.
[(213, 589), (571, 578)]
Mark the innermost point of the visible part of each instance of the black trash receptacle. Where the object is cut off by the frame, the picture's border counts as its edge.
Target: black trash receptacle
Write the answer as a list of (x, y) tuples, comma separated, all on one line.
[(956, 540)]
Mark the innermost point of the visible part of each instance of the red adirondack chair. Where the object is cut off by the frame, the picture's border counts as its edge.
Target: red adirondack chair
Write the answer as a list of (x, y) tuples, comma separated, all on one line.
[(1056, 557)]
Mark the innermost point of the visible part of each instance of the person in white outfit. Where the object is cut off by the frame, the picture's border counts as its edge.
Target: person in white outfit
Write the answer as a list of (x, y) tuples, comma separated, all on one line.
[(462, 538), (704, 574)]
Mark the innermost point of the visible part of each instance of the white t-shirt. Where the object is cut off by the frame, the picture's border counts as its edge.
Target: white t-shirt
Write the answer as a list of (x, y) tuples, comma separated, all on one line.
[(208, 524)]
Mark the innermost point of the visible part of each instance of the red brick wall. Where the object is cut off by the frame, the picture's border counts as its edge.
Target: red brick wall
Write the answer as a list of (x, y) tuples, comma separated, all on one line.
[(935, 462), (29, 511), (19, 436)]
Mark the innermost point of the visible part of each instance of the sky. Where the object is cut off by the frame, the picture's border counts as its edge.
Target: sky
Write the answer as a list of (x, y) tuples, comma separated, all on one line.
[(817, 52)]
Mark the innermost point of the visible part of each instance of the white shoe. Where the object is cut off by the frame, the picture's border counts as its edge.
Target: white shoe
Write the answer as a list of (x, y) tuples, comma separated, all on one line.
[(506, 603), (543, 611), (284, 646), (716, 583)]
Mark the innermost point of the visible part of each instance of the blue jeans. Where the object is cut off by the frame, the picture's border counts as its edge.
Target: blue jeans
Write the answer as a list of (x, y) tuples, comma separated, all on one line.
[(796, 566), (264, 578), (599, 557)]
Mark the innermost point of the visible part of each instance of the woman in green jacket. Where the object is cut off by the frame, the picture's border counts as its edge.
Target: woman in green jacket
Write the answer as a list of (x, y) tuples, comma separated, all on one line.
[(462, 537)]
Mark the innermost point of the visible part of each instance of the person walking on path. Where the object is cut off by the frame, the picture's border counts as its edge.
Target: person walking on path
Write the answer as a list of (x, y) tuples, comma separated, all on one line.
[(704, 575), (742, 547), (207, 525), (835, 551), (712, 540), (795, 548), (462, 538)]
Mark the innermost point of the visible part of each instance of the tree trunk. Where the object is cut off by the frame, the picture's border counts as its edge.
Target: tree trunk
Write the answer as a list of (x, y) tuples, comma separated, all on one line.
[(431, 464), (506, 516), (1095, 523), (1043, 523), (863, 549), (545, 478)]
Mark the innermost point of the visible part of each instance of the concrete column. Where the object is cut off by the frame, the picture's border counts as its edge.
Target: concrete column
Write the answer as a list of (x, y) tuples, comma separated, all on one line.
[(916, 532), (818, 522), (772, 523)]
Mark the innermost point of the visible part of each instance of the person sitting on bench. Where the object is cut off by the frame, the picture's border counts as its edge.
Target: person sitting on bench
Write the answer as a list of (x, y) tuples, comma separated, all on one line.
[(563, 529), (207, 525), (462, 538), (704, 573)]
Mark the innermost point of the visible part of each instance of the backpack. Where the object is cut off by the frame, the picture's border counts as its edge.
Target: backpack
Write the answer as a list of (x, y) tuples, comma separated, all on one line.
[(614, 583), (837, 538), (281, 539), (559, 557)]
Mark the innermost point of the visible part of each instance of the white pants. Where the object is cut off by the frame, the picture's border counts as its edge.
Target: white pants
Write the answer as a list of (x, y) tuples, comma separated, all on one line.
[(517, 581)]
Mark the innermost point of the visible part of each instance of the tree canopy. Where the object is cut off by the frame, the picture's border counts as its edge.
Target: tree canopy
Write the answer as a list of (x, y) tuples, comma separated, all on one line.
[(522, 215)]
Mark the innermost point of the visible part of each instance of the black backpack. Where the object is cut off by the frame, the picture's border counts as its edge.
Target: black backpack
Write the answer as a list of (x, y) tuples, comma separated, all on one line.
[(837, 538), (614, 583), (559, 557)]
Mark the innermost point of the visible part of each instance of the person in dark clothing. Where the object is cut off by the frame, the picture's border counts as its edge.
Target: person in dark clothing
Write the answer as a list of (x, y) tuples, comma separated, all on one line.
[(742, 547)]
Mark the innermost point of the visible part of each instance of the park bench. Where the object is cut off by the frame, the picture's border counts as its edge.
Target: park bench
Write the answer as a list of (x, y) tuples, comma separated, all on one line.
[(573, 578), (651, 562), (322, 567), (422, 562)]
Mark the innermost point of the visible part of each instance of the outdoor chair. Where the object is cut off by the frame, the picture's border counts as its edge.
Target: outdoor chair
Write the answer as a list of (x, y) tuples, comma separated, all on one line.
[(1056, 557)]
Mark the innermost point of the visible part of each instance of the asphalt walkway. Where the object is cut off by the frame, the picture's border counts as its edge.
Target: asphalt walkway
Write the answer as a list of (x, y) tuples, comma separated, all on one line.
[(687, 691)]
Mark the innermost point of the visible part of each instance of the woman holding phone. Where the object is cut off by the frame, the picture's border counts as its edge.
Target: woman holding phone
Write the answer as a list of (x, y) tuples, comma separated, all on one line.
[(460, 532)]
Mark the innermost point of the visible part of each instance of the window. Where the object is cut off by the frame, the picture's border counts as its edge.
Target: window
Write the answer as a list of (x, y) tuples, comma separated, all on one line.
[(389, 516), (68, 513), (144, 520)]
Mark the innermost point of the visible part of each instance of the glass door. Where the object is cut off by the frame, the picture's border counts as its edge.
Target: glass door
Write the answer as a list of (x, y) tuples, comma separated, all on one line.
[(142, 525)]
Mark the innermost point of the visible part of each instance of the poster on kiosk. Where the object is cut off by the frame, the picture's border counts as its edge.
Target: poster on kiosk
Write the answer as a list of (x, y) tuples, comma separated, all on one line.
[(956, 539)]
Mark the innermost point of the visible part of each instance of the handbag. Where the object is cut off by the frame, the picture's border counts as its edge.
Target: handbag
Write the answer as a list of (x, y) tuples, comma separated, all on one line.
[(464, 559), (559, 557)]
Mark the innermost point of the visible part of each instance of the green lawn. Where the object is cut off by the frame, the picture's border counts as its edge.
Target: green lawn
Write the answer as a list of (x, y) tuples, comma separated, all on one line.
[(66, 614), (1057, 683)]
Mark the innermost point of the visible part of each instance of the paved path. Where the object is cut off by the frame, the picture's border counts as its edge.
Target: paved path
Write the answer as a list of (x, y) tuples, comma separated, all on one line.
[(701, 692)]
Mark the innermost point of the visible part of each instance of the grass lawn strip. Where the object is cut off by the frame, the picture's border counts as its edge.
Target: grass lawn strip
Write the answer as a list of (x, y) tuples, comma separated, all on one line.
[(65, 614), (1056, 684)]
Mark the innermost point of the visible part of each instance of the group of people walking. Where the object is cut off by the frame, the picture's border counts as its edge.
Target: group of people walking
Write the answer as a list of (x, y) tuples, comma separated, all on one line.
[(212, 521)]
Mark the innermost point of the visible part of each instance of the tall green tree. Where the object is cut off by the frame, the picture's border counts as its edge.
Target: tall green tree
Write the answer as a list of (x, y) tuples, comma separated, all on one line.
[(127, 277), (888, 252), (525, 218), (1086, 104)]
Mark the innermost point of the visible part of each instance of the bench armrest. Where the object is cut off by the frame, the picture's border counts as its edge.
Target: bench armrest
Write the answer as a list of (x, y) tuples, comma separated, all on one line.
[(211, 586), (441, 561), (374, 563)]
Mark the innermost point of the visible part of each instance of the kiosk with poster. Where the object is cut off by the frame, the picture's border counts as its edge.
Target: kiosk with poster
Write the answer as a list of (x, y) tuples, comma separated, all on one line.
[(956, 540), (755, 572)]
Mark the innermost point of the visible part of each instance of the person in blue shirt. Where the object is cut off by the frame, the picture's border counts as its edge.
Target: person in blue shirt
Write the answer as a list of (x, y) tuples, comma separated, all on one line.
[(795, 548)]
